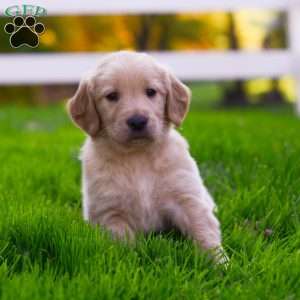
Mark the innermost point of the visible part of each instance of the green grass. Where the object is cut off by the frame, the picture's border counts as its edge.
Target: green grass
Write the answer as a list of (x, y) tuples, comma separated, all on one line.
[(250, 161)]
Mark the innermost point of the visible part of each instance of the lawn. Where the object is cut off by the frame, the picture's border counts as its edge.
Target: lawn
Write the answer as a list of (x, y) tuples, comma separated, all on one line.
[(250, 160)]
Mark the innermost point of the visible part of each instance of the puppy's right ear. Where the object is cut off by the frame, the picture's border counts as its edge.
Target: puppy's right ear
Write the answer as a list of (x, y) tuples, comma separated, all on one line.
[(82, 110), (178, 100)]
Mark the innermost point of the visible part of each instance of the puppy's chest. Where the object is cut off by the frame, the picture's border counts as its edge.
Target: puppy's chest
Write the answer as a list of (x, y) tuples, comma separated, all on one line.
[(138, 187)]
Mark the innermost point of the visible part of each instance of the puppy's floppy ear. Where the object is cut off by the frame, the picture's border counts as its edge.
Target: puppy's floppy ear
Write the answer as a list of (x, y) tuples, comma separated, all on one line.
[(83, 111), (178, 100)]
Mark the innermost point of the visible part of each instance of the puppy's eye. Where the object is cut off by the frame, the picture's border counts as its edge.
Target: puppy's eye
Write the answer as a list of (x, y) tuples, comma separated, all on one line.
[(113, 96), (150, 92)]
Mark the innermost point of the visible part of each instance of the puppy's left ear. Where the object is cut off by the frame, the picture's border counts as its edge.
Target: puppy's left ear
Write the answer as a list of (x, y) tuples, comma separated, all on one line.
[(178, 100), (83, 111)]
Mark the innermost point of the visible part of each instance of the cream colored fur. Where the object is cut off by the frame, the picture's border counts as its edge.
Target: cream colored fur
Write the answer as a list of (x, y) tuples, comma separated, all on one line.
[(147, 184)]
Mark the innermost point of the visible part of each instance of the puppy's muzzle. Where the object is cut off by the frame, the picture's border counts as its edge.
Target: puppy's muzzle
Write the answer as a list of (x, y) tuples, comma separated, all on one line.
[(137, 123), (138, 127)]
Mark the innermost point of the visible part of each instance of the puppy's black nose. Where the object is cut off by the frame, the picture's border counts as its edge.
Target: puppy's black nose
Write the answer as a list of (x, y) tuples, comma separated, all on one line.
[(137, 122)]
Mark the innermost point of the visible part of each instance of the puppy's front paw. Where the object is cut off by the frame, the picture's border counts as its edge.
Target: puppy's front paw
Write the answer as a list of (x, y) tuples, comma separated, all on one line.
[(220, 257)]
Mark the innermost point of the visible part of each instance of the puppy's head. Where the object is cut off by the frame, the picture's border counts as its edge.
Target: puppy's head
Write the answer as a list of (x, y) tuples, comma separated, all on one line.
[(129, 98)]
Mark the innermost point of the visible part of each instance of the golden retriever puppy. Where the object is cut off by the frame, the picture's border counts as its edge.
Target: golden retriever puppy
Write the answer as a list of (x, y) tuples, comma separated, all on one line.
[(138, 175)]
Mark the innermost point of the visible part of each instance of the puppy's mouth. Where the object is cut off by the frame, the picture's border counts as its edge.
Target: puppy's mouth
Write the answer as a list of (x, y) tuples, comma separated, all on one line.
[(139, 137), (130, 138)]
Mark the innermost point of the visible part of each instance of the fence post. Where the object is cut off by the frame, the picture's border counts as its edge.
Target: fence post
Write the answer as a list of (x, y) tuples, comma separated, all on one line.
[(294, 45)]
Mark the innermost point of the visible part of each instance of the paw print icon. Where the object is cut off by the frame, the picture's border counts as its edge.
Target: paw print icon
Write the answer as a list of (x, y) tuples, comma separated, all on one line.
[(24, 31)]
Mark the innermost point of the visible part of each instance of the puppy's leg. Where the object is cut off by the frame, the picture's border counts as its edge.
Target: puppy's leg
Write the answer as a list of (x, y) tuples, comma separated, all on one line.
[(113, 221), (196, 219), (110, 217), (119, 228)]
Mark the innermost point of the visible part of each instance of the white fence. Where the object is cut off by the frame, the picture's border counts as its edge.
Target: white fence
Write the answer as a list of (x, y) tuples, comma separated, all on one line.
[(188, 65)]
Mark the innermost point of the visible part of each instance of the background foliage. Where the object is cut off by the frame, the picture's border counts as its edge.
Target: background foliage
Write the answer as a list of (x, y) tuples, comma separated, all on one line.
[(251, 30)]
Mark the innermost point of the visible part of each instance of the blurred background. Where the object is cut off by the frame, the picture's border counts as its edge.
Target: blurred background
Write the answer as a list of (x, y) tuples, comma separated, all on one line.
[(221, 31)]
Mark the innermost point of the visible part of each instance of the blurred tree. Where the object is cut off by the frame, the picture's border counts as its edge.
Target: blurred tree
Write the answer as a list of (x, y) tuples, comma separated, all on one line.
[(234, 94), (155, 32), (275, 37)]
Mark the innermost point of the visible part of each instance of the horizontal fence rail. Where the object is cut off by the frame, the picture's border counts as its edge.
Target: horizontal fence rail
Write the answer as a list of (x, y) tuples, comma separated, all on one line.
[(92, 7), (201, 65), (189, 66)]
